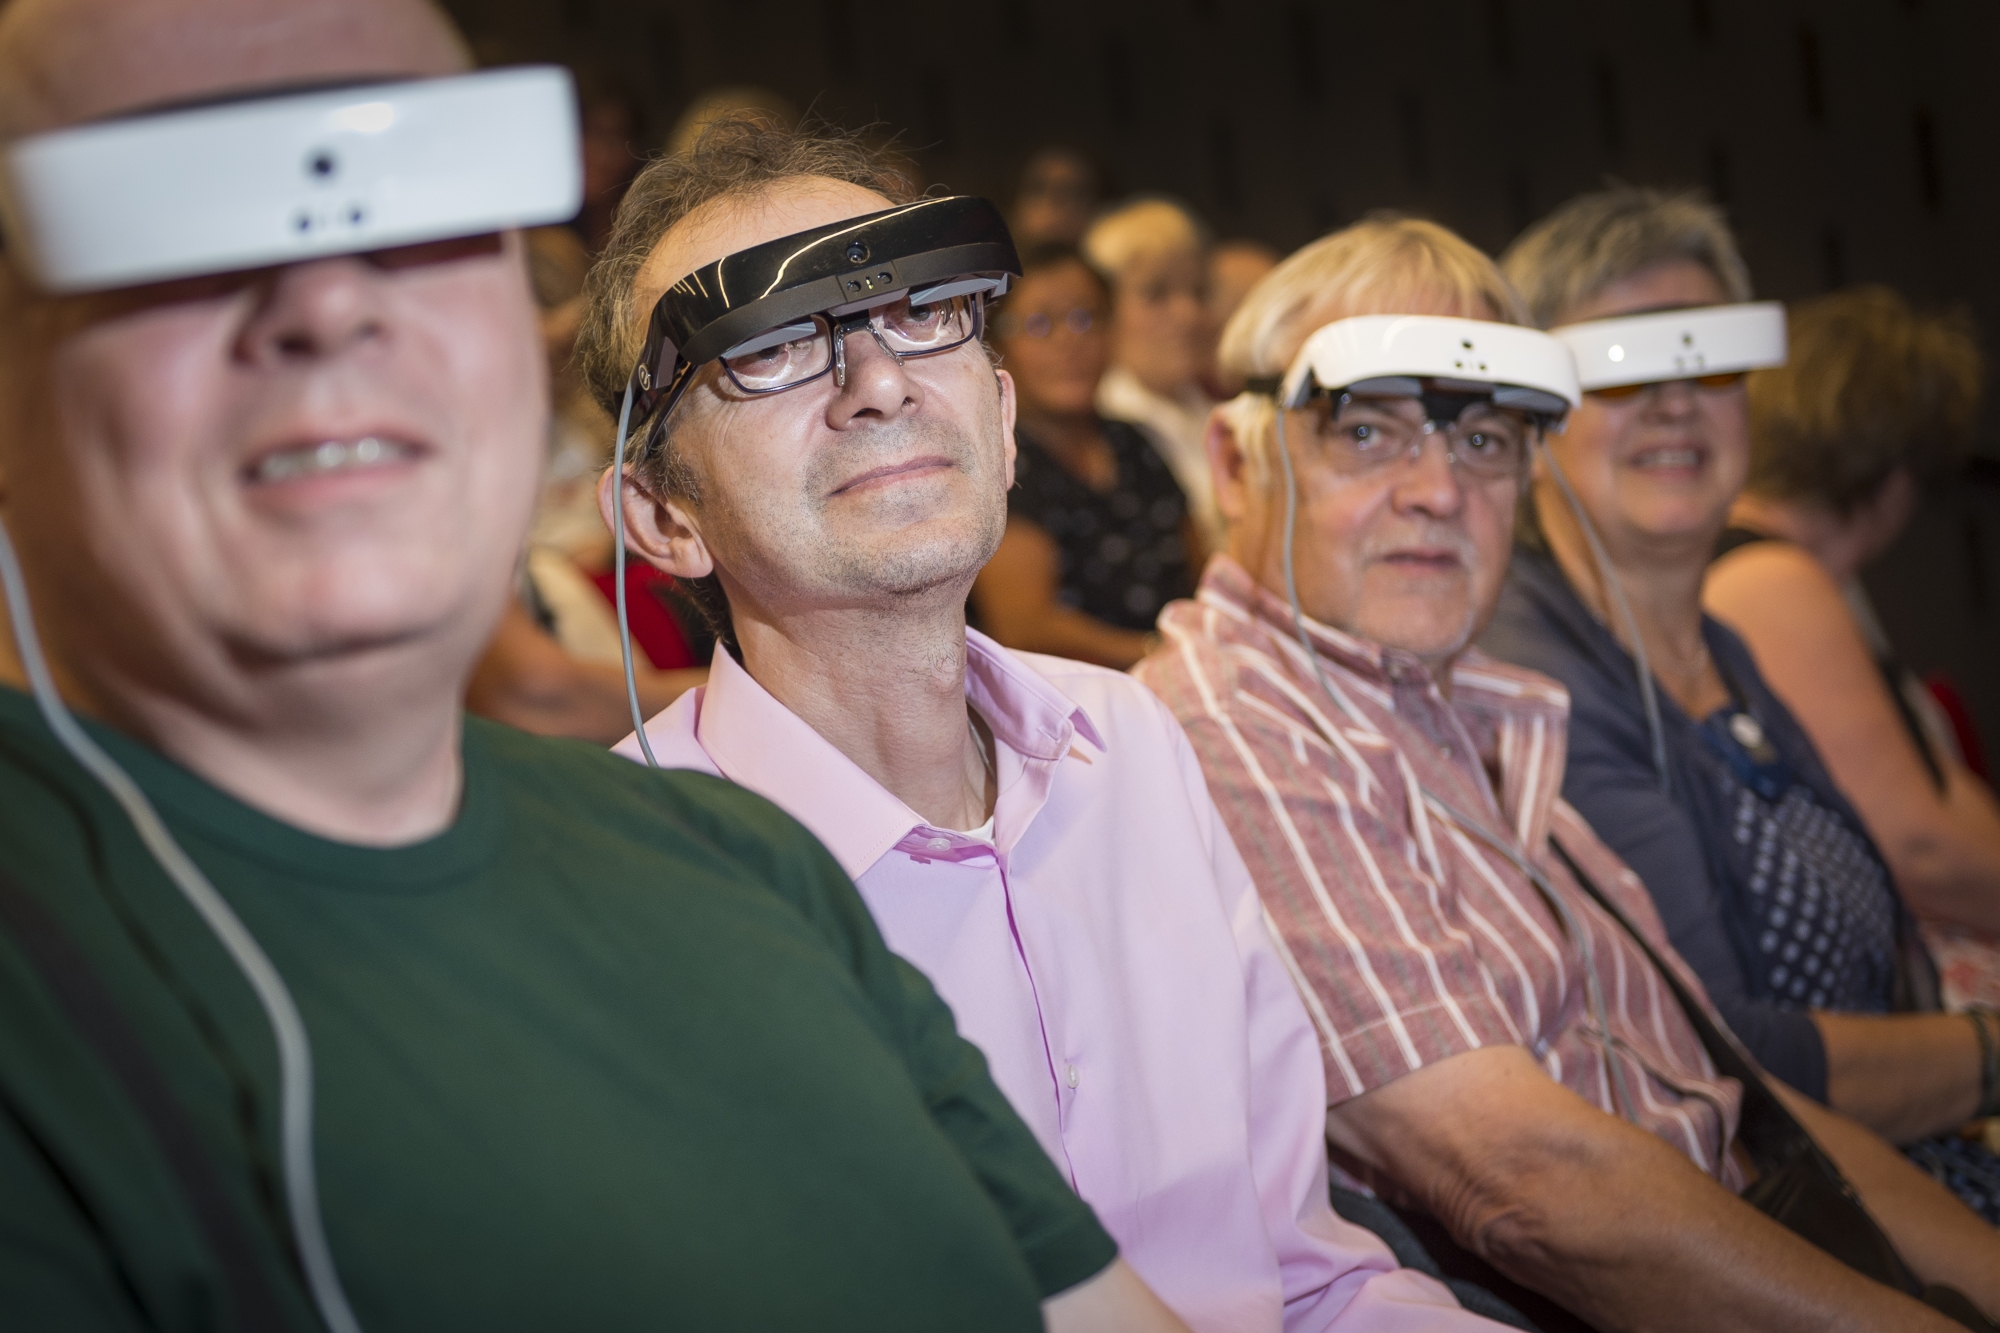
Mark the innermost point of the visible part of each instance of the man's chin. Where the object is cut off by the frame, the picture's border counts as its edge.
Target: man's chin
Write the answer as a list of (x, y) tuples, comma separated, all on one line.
[(1427, 631), (916, 558), (356, 628)]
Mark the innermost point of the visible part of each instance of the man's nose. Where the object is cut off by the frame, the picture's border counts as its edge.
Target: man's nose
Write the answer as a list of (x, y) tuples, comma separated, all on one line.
[(311, 311), (1428, 481), (876, 383)]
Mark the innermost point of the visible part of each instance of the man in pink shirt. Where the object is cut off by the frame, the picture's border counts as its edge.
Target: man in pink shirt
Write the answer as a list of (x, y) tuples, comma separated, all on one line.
[(1034, 834)]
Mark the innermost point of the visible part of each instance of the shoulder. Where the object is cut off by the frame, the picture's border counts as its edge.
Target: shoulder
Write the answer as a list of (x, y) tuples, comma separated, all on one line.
[(1508, 681), (1192, 670), (584, 792), (1538, 621), (1772, 577)]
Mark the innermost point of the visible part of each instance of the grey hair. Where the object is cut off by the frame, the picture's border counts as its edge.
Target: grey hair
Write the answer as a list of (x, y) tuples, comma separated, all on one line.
[(1606, 236)]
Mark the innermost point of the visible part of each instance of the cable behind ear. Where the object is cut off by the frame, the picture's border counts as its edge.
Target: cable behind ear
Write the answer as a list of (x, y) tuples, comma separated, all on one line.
[(618, 575)]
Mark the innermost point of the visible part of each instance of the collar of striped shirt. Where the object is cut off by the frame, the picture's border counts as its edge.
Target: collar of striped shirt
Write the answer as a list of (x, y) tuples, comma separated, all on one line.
[(1412, 938)]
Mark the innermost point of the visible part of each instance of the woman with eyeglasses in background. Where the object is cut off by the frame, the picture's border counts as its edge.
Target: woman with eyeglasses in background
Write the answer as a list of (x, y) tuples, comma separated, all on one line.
[(1098, 537), (1765, 877)]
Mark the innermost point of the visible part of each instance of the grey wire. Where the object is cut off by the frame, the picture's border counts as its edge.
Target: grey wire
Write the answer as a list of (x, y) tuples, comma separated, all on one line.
[(1614, 592), (295, 1071), (1593, 990), (618, 580)]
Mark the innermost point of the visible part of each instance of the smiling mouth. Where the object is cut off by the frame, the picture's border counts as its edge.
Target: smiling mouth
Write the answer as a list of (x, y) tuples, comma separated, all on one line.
[(326, 458), (1668, 457)]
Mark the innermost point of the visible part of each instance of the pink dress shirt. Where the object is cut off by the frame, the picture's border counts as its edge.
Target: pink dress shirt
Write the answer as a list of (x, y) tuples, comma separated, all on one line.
[(1108, 953)]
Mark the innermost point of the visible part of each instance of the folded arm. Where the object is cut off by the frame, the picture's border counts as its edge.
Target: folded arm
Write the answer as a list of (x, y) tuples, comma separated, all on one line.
[(1599, 1215), (1939, 1237)]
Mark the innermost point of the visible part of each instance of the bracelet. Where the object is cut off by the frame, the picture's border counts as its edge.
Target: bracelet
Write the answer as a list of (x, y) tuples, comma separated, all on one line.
[(1989, 1062)]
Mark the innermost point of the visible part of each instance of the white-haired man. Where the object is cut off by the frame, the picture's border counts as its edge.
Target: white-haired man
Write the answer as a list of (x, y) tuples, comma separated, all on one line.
[(1505, 1059), (824, 451), (559, 1043)]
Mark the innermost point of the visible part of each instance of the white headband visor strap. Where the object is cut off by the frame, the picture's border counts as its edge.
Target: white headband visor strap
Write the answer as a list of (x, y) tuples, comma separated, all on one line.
[(1676, 344), (1527, 368), (290, 177)]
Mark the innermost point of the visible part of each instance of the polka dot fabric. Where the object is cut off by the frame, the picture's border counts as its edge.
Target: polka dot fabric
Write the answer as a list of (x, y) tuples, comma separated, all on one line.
[(1824, 907), (1123, 552)]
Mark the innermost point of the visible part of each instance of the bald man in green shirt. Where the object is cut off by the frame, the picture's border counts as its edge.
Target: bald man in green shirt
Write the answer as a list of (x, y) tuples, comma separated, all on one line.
[(589, 1046)]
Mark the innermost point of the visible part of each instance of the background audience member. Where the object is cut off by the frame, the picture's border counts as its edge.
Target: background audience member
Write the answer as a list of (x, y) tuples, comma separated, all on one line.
[(1059, 193), (746, 102), (1876, 402), (1763, 874), (613, 121), (554, 666), (1154, 252), (1098, 537), (1234, 267), (1503, 1057)]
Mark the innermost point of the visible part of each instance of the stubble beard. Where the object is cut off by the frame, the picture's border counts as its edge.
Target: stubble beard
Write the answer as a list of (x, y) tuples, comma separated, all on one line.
[(884, 560)]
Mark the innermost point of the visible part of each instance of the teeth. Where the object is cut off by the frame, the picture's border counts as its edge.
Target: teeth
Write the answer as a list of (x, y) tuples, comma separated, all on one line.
[(1668, 458), (327, 456)]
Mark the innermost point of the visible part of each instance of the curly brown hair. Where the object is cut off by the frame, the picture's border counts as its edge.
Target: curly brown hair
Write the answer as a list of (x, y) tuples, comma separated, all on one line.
[(1871, 386)]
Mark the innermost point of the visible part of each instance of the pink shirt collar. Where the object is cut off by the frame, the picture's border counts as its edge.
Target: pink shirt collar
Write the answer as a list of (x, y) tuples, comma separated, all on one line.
[(757, 742)]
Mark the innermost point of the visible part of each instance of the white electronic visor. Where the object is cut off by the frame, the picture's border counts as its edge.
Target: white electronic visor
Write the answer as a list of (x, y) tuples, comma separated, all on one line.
[(1677, 344), (289, 176), (1520, 368)]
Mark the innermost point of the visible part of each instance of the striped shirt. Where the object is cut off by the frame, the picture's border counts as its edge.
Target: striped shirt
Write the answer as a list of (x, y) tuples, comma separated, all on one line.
[(1410, 937)]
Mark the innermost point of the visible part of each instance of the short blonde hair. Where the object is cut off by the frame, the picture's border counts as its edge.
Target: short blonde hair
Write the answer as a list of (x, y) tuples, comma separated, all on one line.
[(1140, 229), (1382, 265)]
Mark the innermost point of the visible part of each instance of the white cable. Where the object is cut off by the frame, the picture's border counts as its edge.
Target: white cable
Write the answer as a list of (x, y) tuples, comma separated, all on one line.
[(618, 580), (1593, 990), (295, 1072), (1614, 592)]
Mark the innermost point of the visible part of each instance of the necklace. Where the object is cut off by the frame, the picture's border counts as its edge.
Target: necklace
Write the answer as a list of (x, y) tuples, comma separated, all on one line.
[(1692, 667), (979, 744)]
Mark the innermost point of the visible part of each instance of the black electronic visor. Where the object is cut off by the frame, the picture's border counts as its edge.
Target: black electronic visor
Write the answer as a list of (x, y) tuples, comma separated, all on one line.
[(777, 313)]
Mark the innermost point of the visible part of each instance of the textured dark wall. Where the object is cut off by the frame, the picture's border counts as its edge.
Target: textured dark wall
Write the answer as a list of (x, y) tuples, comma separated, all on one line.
[(1852, 140)]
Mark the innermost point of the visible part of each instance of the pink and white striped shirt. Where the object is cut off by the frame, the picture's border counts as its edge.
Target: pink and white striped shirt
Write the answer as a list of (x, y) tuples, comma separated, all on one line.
[(1412, 940)]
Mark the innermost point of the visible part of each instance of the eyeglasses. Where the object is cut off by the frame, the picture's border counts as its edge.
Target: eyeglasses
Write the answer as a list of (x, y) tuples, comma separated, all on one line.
[(1713, 383), (1041, 324), (1362, 435), (784, 358)]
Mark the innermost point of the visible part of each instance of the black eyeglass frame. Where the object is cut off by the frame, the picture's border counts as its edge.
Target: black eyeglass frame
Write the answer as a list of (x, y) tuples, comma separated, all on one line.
[(931, 249), (837, 331)]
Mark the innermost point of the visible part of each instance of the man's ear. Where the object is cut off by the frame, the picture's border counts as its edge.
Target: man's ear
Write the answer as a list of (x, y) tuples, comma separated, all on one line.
[(1008, 405), (663, 531), (1228, 467)]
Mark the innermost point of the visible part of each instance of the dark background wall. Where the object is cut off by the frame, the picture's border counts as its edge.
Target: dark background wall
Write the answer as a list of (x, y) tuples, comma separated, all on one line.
[(1851, 140)]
